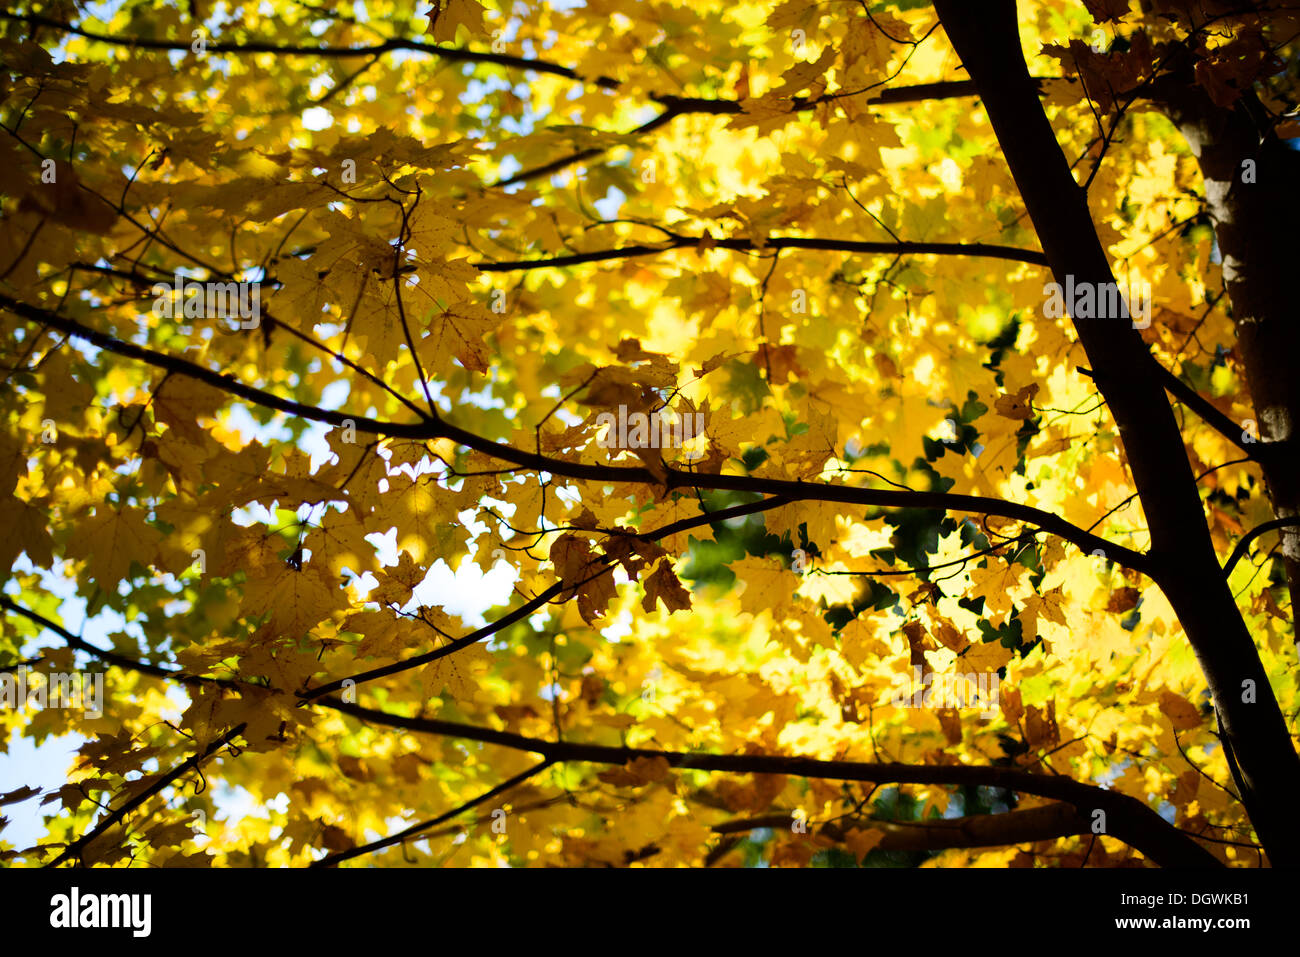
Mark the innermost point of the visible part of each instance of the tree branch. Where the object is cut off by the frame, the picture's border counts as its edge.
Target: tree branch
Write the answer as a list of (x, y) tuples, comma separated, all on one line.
[(1022, 826), (577, 157), (1127, 819), (79, 845), (112, 657), (455, 54), (526, 609), (676, 105), (671, 479), (1244, 543), (1169, 849), (414, 829), (983, 250), (1206, 411)]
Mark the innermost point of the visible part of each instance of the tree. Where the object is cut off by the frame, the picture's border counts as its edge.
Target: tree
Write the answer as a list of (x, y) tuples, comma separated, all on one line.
[(846, 404)]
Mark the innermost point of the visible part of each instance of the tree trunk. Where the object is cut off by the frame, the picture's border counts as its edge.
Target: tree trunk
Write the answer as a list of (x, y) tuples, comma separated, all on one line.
[(986, 37), (1252, 189)]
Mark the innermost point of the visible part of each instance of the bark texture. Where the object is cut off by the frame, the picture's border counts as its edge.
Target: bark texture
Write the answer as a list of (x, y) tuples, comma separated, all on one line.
[(1252, 190)]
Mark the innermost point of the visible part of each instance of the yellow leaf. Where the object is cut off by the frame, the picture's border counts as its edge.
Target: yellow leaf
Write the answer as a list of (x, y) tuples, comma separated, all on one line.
[(663, 586), (447, 15), (1181, 712), (110, 541), (768, 585), (986, 657), (297, 599), (862, 842)]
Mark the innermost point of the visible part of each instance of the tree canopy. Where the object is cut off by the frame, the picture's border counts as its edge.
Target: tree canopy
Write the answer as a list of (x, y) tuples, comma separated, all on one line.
[(878, 417)]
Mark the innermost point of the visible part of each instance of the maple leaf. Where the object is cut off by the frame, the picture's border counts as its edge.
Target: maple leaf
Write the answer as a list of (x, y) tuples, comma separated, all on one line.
[(1110, 74), (1017, 406), (27, 532), (296, 598), (110, 542), (862, 842), (949, 636), (458, 331), (997, 582), (334, 838), (183, 404), (1041, 728), (66, 201), (1106, 10), (631, 552), (18, 794), (791, 13), (1122, 599), (385, 634), (396, 584), (662, 585), (986, 657), (1048, 604), (458, 676), (801, 75), (769, 586), (1182, 713), (447, 15), (582, 573)]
